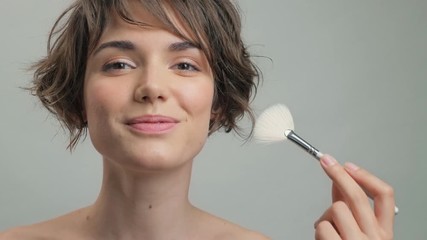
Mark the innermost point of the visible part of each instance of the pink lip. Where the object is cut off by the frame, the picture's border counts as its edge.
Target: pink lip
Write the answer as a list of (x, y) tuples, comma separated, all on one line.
[(152, 124)]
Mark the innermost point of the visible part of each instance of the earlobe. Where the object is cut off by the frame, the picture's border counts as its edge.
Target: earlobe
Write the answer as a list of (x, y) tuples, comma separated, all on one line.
[(215, 113), (84, 117), (214, 120)]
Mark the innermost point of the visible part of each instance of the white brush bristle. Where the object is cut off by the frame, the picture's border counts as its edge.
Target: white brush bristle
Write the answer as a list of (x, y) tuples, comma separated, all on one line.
[(272, 124)]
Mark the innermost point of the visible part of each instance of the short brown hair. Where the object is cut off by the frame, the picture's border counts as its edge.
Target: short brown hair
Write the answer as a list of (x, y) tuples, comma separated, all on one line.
[(215, 24)]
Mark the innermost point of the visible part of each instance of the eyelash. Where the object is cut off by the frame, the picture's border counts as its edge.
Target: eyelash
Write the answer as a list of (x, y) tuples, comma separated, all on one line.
[(185, 66), (117, 66)]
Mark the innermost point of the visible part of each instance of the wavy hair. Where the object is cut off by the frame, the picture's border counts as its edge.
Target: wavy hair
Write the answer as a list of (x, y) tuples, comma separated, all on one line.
[(215, 26)]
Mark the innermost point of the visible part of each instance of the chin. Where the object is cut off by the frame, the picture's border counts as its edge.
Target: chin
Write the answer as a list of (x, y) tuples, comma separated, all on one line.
[(149, 159)]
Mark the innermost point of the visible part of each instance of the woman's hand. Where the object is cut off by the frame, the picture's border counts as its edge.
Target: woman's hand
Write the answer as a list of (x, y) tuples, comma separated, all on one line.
[(351, 216)]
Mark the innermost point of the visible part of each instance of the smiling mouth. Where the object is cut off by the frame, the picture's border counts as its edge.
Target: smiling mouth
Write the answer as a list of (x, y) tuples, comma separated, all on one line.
[(152, 124)]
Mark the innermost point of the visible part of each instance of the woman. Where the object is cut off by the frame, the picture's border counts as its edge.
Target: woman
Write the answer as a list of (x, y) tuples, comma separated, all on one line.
[(150, 80)]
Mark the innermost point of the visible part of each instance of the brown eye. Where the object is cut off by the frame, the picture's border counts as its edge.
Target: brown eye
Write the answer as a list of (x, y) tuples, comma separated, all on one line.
[(116, 66), (184, 66)]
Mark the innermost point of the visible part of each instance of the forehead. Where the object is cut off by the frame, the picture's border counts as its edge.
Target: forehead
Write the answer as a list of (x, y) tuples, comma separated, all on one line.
[(140, 13), (153, 14)]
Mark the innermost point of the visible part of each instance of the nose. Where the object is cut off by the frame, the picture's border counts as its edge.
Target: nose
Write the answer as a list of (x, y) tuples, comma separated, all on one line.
[(151, 87)]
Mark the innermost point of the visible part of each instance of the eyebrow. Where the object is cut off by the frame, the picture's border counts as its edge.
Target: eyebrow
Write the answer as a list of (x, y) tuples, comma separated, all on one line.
[(129, 46), (181, 46), (121, 45)]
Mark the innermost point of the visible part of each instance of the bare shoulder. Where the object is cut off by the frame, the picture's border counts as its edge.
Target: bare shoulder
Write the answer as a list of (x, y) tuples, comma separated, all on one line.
[(57, 228), (216, 228), (237, 232), (252, 235), (25, 232)]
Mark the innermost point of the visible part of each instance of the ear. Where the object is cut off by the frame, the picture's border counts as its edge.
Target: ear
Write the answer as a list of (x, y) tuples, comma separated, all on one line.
[(84, 117), (216, 113), (81, 115)]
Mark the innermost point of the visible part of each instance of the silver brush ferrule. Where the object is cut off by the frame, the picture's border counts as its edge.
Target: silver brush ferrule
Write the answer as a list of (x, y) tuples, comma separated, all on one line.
[(291, 135)]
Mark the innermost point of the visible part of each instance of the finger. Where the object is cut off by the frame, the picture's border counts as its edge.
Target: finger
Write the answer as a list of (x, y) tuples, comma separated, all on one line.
[(325, 231), (381, 193), (353, 194), (336, 194), (341, 217)]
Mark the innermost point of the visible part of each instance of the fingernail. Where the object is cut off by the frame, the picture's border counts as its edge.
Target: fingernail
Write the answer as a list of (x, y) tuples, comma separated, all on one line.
[(328, 161), (351, 167)]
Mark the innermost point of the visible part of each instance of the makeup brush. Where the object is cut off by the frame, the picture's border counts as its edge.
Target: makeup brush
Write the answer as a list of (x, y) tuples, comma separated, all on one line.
[(276, 124)]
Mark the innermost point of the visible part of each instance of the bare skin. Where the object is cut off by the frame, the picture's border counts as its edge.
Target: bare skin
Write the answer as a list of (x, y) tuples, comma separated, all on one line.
[(72, 226), (148, 135)]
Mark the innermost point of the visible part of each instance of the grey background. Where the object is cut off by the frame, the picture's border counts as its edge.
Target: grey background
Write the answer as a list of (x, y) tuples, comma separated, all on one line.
[(353, 74)]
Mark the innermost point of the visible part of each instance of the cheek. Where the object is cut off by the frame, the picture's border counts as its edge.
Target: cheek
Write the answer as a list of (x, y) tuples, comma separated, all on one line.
[(198, 99), (100, 99), (102, 104), (96, 106)]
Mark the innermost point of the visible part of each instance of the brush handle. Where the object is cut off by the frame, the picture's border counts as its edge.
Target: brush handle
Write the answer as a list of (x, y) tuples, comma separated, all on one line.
[(291, 135)]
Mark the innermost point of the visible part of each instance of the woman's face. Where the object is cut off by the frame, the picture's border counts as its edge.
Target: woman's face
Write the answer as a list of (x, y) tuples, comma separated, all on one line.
[(148, 96)]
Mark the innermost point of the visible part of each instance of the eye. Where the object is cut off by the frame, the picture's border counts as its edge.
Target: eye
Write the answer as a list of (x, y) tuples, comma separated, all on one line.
[(118, 65), (185, 66)]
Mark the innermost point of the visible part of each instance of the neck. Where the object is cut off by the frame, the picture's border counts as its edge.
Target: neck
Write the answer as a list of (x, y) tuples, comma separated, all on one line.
[(143, 205)]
